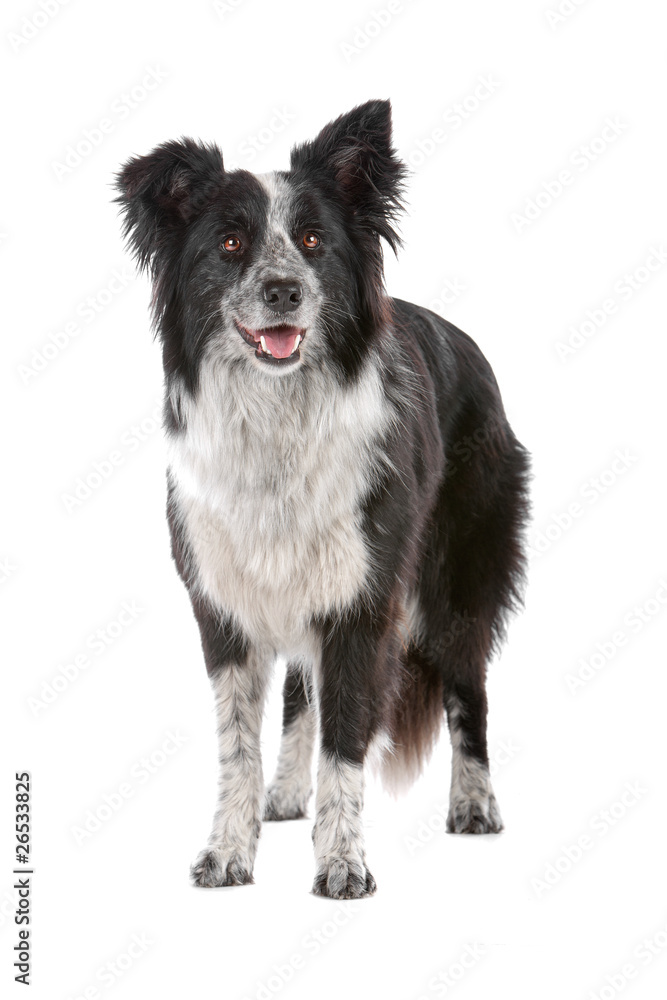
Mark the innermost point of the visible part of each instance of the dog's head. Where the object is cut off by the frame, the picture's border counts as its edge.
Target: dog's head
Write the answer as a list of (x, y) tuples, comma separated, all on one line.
[(278, 271)]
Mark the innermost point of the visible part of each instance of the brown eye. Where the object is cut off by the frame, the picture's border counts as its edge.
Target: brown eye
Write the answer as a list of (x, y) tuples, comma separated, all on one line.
[(310, 241), (231, 244)]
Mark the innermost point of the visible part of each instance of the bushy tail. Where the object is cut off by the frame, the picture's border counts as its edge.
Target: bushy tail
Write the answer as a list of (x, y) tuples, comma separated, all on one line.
[(416, 723)]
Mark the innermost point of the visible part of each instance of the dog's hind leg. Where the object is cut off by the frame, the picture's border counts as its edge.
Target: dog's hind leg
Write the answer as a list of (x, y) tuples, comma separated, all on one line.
[(239, 675), (480, 517), (472, 804), (471, 578), (288, 794)]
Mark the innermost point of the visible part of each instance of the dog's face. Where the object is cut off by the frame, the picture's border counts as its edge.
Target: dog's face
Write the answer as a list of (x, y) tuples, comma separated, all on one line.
[(271, 261), (274, 272)]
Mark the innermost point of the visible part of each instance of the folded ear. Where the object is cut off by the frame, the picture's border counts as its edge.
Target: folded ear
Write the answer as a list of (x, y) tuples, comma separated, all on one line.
[(163, 191), (355, 151)]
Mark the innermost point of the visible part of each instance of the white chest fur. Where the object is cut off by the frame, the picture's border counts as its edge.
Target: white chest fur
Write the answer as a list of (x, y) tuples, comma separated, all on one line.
[(269, 478)]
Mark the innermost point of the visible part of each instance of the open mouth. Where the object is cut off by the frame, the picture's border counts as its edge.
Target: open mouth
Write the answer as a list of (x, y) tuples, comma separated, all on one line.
[(277, 345)]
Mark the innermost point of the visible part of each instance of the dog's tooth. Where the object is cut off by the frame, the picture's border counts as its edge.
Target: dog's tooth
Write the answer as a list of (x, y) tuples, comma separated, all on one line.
[(264, 347), (297, 341)]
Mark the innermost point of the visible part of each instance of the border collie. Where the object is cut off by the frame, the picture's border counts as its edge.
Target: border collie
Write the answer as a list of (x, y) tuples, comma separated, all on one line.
[(343, 488)]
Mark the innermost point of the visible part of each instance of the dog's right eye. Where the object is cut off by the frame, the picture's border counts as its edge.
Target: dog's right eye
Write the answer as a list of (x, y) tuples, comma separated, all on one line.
[(231, 244)]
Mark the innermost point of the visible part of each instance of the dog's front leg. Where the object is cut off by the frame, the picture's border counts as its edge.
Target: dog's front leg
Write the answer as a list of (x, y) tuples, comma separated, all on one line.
[(288, 794), (239, 676), (350, 705)]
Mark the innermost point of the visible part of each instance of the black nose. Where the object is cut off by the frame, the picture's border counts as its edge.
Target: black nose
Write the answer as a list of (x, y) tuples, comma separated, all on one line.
[(282, 296)]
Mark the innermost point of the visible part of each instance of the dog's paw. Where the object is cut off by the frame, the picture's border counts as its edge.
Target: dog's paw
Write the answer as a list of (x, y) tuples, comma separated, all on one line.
[(343, 878), (280, 803), (213, 869), (474, 816)]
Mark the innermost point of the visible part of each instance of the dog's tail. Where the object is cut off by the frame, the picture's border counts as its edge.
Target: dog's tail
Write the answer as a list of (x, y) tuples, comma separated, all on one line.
[(416, 722)]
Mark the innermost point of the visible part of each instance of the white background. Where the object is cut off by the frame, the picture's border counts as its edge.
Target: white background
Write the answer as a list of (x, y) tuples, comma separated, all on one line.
[(66, 573)]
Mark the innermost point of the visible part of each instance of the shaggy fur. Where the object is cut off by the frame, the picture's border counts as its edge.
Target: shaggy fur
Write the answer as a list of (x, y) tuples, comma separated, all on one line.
[(344, 488)]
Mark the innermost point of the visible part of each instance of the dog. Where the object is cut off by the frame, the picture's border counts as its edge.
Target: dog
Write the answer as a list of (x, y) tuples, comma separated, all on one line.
[(344, 488)]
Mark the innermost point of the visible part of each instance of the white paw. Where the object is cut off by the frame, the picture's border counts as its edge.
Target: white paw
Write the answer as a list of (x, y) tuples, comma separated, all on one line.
[(343, 878), (472, 815), (213, 868)]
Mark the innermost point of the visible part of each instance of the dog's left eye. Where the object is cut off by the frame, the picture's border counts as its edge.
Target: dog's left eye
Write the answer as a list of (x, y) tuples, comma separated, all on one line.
[(310, 241), (231, 244)]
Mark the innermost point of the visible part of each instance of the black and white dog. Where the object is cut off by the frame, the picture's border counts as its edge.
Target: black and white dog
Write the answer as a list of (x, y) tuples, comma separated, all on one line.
[(343, 489)]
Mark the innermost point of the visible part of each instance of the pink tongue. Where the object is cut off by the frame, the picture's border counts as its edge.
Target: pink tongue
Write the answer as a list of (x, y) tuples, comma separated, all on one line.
[(281, 342)]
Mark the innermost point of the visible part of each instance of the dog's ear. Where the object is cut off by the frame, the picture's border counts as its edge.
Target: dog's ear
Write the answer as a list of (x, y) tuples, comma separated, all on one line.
[(160, 193), (355, 151)]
